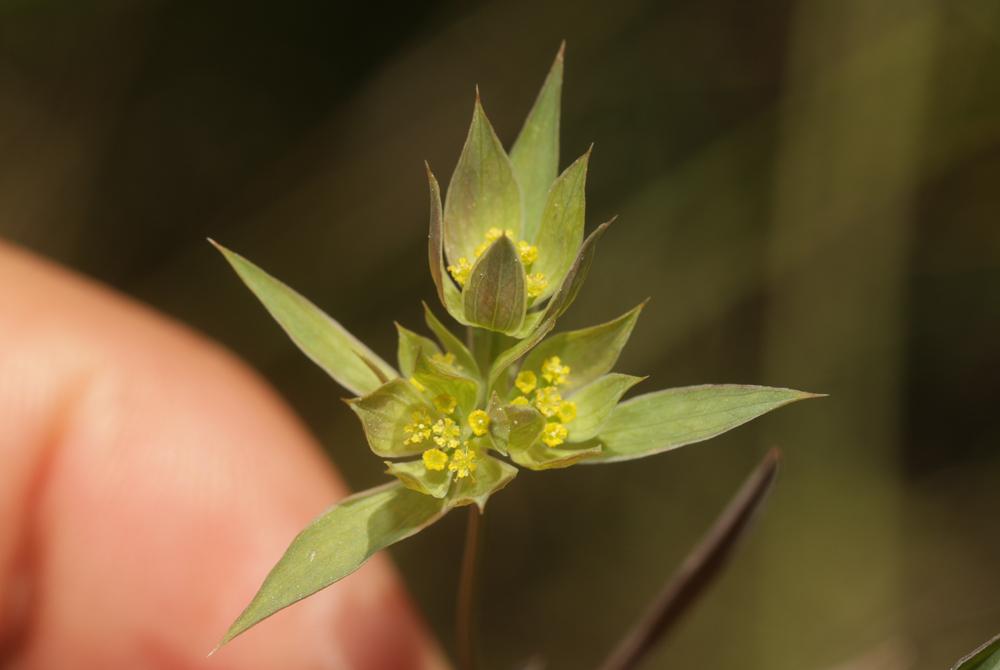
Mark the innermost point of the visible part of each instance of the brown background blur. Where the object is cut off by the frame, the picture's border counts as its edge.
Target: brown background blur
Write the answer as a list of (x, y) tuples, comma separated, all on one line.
[(809, 190)]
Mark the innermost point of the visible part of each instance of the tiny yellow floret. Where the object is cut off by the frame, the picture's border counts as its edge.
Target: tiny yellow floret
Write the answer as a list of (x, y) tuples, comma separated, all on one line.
[(481, 249), (526, 381), (479, 421), (567, 411), (554, 434), (435, 459), (460, 271), (494, 234), (463, 462), (446, 433), (419, 429), (444, 359), (548, 401), (528, 252), (520, 400), (536, 284), (554, 371), (445, 403)]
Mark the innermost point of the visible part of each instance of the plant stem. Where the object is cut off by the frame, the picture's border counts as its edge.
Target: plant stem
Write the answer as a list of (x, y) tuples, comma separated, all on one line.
[(465, 624)]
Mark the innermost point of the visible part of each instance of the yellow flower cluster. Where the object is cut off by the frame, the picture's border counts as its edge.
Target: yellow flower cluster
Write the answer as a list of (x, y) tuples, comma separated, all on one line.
[(446, 436), (536, 281), (547, 399)]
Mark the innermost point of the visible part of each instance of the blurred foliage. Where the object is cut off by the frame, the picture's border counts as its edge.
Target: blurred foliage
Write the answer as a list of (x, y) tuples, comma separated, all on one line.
[(809, 185)]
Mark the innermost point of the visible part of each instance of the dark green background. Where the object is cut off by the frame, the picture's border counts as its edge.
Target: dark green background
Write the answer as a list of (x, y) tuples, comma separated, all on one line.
[(809, 191)]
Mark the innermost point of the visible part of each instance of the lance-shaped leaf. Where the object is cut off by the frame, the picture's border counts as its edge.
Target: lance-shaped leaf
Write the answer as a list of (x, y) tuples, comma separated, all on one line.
[(336, 544), (415, 475), (491, 475), (323, 340), (445, 380), (986, 657), (561, 230), (384, 412), (449, 294), (589, 352), (451, 343), (535, 154), (657, 422), (495, 296), (411, 346), (559, 303), (595, 402), (483, 192)]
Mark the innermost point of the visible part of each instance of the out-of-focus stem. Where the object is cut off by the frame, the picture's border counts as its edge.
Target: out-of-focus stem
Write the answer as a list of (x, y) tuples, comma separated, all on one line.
[(465, 611)]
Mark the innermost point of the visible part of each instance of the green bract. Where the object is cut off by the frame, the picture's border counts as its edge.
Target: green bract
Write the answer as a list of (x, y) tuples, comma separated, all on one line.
[(455, 423)]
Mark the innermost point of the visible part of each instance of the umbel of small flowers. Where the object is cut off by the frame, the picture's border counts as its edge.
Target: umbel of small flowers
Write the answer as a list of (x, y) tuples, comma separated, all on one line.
[(455, 420)]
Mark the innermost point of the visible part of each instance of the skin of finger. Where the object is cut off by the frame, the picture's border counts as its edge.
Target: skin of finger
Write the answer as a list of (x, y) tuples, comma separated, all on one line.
[(149, 482)]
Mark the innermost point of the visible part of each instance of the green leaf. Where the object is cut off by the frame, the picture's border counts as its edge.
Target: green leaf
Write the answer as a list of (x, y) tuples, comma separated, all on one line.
[(535, 154), (657, 422), (448, 293), (559, 303), (540, 456), (595, 402), (384, 412), (589, 352), (986, 657), (495, 296), (323, 340), (411, 345), (483, 192), (443, 379), (451, 343), (561, 232), (491, 475), (415, 475), (336, 544), (516, 427)]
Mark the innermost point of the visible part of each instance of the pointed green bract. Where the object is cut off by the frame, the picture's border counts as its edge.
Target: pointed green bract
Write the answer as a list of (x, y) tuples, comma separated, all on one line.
[(535, 154), (517, 427), (560, 302), (451, 343), (986, 657), (495, 296), (589, 352), (336, 544), (542, 457), (448, 293), (657, 422), (483, 192), (322, 339), (561, 230), (384, 413), (595, 402), (411, 346), (491, 475), (414, 475), (442, 379)]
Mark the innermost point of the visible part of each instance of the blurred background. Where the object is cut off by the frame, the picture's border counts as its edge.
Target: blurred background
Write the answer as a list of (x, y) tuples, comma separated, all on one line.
[(809, 190)]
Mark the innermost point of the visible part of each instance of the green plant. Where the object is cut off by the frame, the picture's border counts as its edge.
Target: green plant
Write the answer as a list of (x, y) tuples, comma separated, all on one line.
[(457, 419)]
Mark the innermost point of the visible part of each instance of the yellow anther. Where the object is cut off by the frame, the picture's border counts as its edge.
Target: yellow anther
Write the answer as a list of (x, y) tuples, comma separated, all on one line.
[(417, 385), (520, 400), (567, 411), (554, 434), (460, 271), (419, 429), (463, 462), (526, 381), (445, 403), (528, 252), (444, 359), (536, 284), (548, 401), (446, 433), (554, 371), (435, 459), (479, 421)]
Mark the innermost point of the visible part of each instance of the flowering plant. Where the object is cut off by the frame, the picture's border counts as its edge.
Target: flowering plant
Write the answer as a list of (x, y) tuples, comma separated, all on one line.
[(456, 420)]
